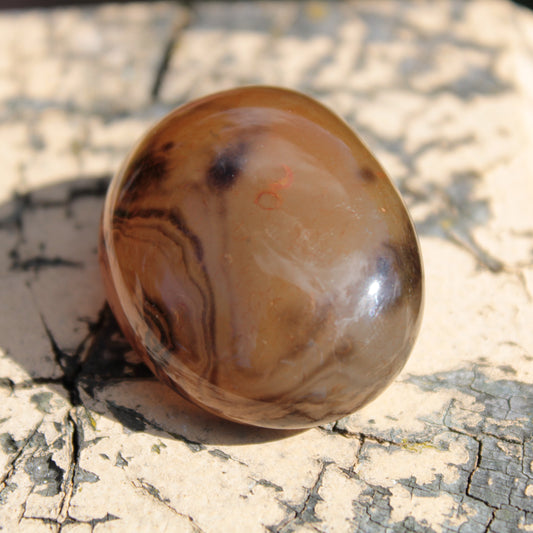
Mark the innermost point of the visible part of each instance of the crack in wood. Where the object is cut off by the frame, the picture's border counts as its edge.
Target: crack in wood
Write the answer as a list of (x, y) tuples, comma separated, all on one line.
[(13, 460), (155, 493), (303, 513), (68, 487), (171, 47)]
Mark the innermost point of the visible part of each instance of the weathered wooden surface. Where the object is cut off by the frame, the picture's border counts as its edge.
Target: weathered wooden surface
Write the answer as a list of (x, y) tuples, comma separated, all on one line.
[(443, 93)]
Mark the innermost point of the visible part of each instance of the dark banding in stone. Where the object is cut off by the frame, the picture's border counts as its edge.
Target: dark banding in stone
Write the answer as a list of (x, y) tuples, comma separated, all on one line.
[(403, 272), (155, 314), (176, 220), (226, 167), (156, 349), (407, 260), (147, 170), (173, 216)]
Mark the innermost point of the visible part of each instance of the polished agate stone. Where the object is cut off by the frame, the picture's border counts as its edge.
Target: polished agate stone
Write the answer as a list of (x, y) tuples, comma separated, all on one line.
[(257, 256)]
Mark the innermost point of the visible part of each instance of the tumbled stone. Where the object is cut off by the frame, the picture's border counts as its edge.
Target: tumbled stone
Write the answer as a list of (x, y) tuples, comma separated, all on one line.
[(257, 256)]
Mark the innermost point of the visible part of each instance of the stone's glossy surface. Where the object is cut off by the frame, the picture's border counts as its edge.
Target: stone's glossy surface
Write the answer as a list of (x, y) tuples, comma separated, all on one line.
[(258, 257)]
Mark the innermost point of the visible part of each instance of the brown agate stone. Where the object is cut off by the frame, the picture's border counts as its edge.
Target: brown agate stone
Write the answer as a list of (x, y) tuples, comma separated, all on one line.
[(257, 256)]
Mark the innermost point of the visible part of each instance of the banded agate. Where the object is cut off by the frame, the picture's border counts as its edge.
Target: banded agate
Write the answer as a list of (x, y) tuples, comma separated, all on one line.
[(257, 256)]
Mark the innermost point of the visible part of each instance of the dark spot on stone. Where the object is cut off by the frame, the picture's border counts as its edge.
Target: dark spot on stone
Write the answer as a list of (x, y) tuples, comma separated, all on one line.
[(42, 401), (8, 443), (43, 471), (344, 348), (168, 146), (366, 174), (226, 167), (127, 417)]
